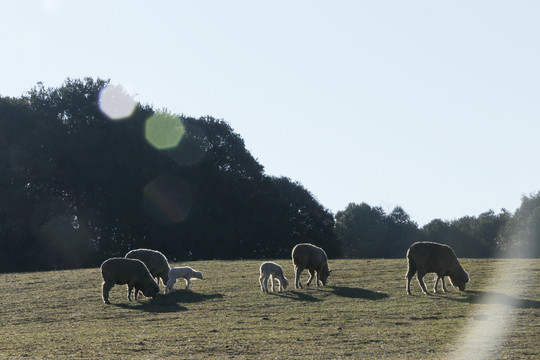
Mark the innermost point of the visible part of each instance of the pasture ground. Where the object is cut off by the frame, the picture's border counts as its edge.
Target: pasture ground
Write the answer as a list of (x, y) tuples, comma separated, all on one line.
[(363, 312)]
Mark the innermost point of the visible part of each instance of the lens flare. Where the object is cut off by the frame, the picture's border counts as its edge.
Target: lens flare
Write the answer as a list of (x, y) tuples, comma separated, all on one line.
[(191, 149), (494, 316), (116, 103), (168, 199), (63, 242), (163, 130)]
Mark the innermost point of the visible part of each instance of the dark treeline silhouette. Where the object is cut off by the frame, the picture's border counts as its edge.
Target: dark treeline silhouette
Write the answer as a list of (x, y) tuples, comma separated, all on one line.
[(77, 187), (368, 232)]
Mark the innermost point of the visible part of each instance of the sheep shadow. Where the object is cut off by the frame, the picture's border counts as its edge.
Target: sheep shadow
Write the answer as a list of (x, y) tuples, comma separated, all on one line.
[(358, 293), (295, 295), (487, 297), (153, 306), (169, 302), (182, 296)]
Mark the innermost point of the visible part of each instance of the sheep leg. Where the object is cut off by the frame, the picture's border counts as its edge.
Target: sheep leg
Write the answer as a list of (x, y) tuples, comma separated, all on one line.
[(136, 292), (130, 288), (272, 280), (420, 277), (297, 272), (280, 281), (410, 273), (443, 284), (261, 281), (170, 284), (188, 282), (436, 284), (311, 276), (266, 277), (106, 288)]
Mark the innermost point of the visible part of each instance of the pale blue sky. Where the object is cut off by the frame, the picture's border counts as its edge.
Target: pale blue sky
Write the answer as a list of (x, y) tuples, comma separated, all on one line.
[(430, 105)]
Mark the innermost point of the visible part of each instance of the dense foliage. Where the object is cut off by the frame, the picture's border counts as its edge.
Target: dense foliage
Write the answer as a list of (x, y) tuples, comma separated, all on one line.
[(77, 187), (368, 232)]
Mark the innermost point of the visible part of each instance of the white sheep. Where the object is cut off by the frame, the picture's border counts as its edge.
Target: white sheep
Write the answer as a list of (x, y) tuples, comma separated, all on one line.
[(312, 258), (154, 260), (273, 271), (184, 272), (132, 272), (426, 257)]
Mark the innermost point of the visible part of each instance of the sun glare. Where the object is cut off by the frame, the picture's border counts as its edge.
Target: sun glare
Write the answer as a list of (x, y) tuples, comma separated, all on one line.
[(493, 319), (116, 103)]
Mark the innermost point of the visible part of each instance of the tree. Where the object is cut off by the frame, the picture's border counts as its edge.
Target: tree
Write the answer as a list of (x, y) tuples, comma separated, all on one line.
[(401, 233), (362, 230), (521, 235), (469, 236), (80, 187)]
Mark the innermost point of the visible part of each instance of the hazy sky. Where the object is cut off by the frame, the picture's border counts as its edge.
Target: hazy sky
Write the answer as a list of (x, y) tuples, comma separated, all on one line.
[(430, 105)]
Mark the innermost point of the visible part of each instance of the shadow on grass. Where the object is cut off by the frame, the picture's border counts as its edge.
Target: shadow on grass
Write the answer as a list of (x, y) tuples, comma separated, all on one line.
[(348, 292), (182, 296), (156, 306), (168, 303), (487, 297), (296, 295), (358, 293)]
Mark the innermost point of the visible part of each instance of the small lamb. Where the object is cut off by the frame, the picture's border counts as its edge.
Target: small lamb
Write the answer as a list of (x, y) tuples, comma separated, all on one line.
[(184, 272), (273, 271)]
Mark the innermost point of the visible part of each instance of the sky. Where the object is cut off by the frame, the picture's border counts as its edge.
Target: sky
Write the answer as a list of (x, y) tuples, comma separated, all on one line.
[(428, 105)]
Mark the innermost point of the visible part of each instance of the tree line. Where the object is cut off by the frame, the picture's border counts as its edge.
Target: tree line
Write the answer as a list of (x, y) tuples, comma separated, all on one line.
[(368, 232), (77, 187)]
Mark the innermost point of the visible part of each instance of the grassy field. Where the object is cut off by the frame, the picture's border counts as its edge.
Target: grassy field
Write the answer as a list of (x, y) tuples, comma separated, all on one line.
[(363, 312)]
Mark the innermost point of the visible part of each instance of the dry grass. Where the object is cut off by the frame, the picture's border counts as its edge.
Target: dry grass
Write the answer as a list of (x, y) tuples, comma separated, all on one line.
[(364, 312)]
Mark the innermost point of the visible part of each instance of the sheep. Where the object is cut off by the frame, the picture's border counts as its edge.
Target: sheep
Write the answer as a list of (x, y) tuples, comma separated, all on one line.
[(155, 261), (313, 258), (184, 272), (273, 271), (426, 257), (132, 272)]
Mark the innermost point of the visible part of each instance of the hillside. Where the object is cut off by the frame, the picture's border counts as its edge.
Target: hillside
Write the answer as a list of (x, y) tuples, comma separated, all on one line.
[(364, 312)]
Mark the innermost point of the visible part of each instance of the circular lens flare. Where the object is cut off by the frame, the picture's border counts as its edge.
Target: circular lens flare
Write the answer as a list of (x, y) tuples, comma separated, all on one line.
[(168, 199), (164, 130), (116, 103)]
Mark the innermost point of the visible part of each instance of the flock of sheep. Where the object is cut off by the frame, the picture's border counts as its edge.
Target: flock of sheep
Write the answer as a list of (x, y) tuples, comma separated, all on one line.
[(138, 269), (142, 269)]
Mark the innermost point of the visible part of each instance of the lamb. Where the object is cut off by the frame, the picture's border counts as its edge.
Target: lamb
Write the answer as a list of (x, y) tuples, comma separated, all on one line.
[(426, 257), (132, 272), (313, 258), (273, 271), (155, 261), (184, 272)]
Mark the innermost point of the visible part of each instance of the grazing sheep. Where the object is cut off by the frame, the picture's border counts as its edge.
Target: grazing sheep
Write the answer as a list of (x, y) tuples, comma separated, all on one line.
[(184, 272), (313, 258), (426, 257), (132, 272), (273, 271), (155, 261)]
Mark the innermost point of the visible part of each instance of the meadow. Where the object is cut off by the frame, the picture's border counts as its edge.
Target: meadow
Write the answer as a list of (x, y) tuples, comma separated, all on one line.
[(363, 312)]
